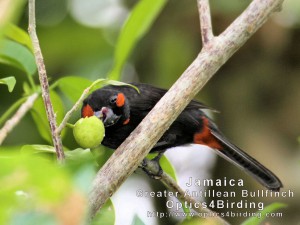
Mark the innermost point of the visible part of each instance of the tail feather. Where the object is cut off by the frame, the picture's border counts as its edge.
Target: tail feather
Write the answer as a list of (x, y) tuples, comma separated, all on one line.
[(247, 163)]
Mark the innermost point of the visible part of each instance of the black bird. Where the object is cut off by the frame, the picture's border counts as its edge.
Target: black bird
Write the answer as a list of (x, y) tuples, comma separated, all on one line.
[(122, 108)]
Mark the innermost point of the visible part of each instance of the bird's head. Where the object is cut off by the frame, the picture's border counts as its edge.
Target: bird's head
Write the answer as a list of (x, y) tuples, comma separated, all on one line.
[(109, 105)]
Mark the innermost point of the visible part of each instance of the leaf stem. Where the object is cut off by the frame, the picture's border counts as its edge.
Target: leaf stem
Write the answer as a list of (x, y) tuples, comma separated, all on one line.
[(31, 82), (11, 109), (75, 107)]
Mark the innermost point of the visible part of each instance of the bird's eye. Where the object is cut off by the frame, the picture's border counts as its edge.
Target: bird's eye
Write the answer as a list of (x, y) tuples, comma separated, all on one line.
[(113, 100)]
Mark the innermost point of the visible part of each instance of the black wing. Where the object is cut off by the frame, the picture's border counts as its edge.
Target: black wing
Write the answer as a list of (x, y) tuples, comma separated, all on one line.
[(150, 95), (245, 162)]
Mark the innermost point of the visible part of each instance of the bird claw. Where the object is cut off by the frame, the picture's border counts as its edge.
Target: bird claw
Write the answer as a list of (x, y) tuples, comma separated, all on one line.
[(152, 168)]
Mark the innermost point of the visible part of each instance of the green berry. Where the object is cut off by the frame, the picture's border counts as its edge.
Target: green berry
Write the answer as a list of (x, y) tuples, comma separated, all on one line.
[(89, 132)]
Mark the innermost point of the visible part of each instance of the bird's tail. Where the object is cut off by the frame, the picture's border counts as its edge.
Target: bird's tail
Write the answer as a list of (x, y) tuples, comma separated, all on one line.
[(244, 161)]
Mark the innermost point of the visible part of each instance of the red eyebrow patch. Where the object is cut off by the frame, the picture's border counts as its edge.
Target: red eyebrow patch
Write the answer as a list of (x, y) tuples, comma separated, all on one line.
[(87, 111), (120, 100)]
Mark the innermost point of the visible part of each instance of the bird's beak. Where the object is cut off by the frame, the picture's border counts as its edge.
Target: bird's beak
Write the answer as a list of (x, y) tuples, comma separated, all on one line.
[(99, 114), (107, 115)]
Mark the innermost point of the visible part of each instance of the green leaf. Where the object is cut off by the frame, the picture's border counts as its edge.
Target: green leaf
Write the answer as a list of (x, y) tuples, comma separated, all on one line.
[(17, 55), (33, 217), (83, 175), (168, 168), (106, 215), (39, 116), (102, 82), (27, 89), (10, 12), (79, 154), (73, 86), (165, 164), (18, 35), (32, 149), (137, 221), (11, 109), (9, 81), (28, 182), (9, 149), (101, 154), (270, 208), (136, 26)]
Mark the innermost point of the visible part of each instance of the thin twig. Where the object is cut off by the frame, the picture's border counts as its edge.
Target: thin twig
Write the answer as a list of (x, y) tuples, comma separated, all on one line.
[(15, 119), (78, 102), (172, 186), (181, 195), (134, 149), (205, 21), (72, 110), (44, 82)]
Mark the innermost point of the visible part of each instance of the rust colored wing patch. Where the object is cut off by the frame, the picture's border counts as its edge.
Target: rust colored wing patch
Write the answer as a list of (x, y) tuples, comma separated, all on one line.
[(126, 121), (204, 137)]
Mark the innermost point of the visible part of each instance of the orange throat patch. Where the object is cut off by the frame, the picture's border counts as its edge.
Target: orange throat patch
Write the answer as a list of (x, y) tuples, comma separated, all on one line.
[(87, 111)]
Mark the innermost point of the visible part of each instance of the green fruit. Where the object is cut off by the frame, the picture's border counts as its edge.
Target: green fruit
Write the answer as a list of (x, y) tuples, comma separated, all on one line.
[(89, 132)]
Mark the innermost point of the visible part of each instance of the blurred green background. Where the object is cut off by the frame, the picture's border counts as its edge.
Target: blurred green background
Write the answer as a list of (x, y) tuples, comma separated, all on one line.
[(257, 91)]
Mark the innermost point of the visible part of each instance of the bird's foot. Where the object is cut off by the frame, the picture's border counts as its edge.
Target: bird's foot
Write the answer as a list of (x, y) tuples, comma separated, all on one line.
[(152, 168)]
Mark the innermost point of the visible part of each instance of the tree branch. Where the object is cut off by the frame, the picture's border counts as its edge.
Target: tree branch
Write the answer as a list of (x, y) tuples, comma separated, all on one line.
[(132, 151), (172, 186), (205, 21), (44, 81), (15, 119)]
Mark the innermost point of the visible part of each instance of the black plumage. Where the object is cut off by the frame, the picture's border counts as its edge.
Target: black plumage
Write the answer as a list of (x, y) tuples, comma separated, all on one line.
[(122, 108)]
